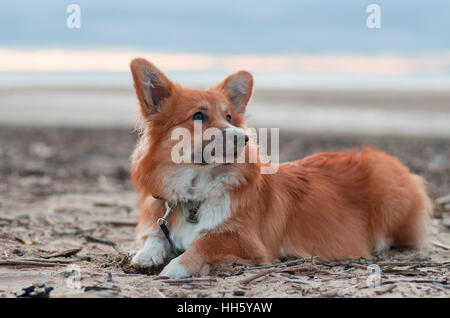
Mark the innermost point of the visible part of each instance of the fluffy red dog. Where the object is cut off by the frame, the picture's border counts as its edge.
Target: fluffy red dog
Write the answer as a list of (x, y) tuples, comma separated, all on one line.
[(332, 205)]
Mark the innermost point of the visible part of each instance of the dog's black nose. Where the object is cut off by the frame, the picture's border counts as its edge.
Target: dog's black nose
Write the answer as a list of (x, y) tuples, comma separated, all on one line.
[(246, 138)]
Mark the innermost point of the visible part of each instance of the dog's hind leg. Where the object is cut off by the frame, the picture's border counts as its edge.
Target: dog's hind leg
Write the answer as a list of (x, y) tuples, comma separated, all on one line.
[(414, 229)]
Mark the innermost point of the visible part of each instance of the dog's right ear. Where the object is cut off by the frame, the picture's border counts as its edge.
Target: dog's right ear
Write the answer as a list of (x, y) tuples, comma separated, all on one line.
[(152, 87)]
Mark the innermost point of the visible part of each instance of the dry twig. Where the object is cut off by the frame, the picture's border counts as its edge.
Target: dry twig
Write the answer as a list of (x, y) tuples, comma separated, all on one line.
[(65, 253), (29, 263), (92, 239), (443, 200), (47, 261), (189, 281), (386, 290), (122, 223), (440, 245), (404, 272), (298, 268), (252, 278), (291, 262)]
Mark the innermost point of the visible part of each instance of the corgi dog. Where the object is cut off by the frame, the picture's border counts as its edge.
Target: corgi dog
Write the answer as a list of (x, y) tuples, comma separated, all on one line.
[(334, 206)]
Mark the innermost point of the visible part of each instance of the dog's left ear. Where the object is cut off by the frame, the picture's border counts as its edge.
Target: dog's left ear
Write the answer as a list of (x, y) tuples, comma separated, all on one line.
[(238, 88), (153, 88)]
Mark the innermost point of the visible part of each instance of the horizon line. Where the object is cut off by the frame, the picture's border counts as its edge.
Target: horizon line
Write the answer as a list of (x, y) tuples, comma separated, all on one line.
[(82, 60)]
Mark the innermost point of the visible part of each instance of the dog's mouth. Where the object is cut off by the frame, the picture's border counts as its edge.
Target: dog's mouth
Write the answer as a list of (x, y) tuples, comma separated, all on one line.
[(226, 160), (227, 152)]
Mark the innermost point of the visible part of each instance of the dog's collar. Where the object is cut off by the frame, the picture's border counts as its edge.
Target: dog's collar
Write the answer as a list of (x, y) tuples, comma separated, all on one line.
[(162, 222), (192, 207), (158, 197)]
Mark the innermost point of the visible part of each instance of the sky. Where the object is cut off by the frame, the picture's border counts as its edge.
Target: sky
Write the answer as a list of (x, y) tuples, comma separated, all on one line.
[(231, 26), (306, 36)]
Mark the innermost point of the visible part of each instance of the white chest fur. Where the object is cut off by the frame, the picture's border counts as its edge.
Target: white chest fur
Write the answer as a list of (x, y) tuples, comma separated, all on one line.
[(211, 213), (199, 184)]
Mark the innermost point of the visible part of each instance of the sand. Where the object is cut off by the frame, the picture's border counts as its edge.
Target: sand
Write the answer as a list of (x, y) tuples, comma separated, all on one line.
[(64, 189)]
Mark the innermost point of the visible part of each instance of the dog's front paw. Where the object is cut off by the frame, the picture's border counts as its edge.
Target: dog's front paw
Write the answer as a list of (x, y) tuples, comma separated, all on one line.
[(151, 255), (174, 269)]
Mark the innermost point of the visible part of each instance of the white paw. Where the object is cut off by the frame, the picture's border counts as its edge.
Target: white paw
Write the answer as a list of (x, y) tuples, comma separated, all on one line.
[(174, 269), (152, 254)]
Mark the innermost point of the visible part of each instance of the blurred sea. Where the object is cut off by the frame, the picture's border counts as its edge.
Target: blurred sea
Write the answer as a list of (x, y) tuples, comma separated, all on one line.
[(333, 103)]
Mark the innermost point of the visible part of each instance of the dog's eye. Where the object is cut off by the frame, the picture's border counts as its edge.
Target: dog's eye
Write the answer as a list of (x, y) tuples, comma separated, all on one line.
[(228, 118), (198, 116)]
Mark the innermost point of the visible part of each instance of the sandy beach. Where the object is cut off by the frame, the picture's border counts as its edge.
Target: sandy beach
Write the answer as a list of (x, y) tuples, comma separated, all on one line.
[(77, 201)]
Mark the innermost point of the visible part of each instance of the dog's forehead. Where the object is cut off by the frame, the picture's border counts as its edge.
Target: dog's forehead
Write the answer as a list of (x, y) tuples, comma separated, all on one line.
[(217, 108), (215, 99), (208, 101)]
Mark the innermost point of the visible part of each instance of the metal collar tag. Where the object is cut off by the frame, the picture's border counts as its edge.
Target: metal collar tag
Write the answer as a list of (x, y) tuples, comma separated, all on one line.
[(162, 222), (166, 214)]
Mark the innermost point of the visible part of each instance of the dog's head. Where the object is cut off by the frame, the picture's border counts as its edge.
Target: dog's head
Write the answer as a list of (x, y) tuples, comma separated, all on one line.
[(170, 113)]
